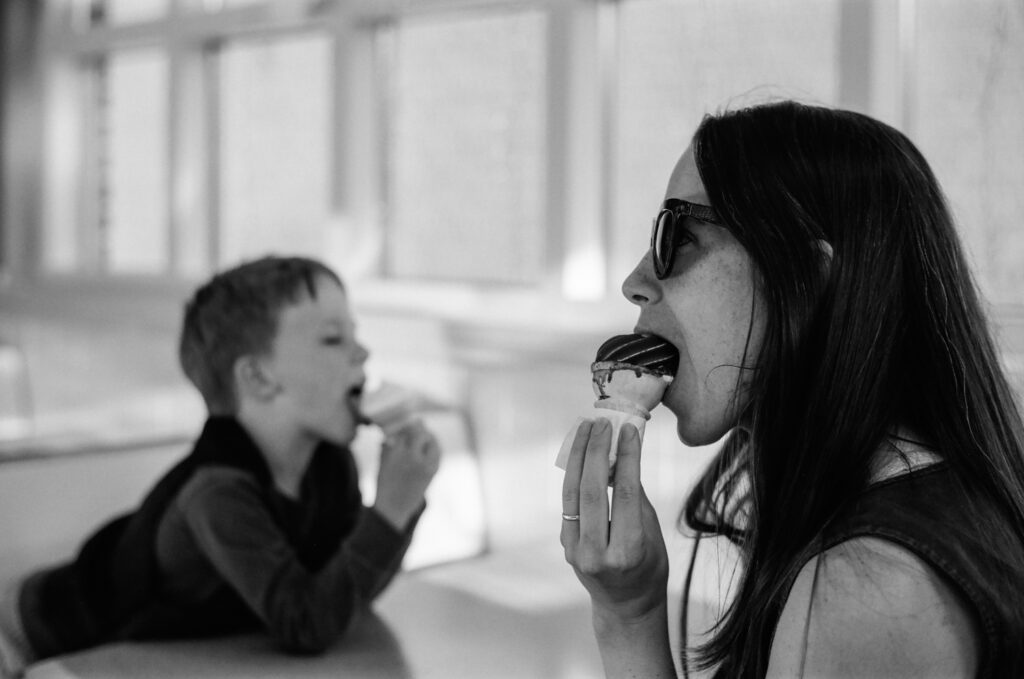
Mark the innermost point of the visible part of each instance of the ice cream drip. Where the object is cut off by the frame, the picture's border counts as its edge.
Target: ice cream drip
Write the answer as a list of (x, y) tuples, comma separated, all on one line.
[(634, 369)]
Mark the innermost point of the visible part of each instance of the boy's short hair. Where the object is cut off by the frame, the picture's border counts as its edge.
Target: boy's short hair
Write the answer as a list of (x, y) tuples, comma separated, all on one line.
[(236, 314)]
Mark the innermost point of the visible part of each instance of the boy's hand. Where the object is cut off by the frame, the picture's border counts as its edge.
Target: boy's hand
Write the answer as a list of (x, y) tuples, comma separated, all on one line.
[(409, 459)]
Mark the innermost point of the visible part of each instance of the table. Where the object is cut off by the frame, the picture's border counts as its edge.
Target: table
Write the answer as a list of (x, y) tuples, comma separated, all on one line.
[(514, 615)]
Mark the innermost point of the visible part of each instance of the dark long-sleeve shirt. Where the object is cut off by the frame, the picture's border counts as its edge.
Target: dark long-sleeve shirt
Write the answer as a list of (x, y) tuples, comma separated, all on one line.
[(214, 548), (219, 530)]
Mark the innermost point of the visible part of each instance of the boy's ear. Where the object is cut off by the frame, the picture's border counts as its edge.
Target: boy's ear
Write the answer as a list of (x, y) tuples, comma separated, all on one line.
[(253, 378)]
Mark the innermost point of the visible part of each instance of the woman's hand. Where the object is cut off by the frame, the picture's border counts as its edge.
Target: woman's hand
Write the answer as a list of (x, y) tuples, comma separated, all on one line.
[(622, 562)]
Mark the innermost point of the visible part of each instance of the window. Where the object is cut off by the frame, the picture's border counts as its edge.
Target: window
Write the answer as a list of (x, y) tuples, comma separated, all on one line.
[(968, 78), (133, 182), (680, 59), (511, 151), (465, 164), (274, 129), (216, 130)]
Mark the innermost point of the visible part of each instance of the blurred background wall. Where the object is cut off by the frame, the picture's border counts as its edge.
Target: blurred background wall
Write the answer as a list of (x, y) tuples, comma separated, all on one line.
[(481, 172)]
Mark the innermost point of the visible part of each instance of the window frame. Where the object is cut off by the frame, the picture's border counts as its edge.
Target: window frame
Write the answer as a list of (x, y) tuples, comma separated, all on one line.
[(358, 189)]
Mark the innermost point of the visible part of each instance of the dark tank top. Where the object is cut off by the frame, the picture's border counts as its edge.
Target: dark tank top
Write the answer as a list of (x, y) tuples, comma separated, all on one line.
[(965, 537)]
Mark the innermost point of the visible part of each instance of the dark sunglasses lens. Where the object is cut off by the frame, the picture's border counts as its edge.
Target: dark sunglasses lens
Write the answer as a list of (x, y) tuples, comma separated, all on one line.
[(661, 243)]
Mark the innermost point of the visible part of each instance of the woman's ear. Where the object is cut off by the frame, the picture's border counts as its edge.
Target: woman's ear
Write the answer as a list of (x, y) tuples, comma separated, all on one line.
[(253, 379)]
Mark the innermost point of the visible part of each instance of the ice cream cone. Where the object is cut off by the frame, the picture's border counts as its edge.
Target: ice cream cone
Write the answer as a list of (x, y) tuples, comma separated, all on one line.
[(618, 412), (391, 406), (629, 378)]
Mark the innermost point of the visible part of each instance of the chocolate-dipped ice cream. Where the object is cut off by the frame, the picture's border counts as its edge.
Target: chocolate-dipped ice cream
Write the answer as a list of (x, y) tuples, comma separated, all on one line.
[(629, 375)]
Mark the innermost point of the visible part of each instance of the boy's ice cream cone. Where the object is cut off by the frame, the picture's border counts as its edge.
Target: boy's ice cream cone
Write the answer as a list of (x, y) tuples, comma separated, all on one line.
[(391, 406)]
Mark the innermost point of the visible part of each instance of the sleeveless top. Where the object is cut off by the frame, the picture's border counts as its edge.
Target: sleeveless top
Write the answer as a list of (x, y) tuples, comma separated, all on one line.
[(965, 537)]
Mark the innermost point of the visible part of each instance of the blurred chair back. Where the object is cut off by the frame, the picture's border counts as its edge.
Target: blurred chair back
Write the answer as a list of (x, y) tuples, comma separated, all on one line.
[(15, 392)]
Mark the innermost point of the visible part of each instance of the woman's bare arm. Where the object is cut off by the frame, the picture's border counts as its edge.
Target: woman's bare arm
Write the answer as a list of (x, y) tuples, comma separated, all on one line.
[(872, 608)]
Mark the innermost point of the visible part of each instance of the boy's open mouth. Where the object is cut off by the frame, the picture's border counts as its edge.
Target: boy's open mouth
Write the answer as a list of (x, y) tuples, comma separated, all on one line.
[(355, 398)]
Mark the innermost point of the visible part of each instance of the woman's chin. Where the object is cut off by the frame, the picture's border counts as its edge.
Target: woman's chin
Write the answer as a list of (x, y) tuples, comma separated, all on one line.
[(695, 434)]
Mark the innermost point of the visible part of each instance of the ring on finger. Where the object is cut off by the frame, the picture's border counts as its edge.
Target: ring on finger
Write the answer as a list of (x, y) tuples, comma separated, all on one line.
[(570, 517)]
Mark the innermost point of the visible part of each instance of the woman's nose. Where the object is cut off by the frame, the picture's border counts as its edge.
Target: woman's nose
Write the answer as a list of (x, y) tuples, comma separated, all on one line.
[(640, 286)]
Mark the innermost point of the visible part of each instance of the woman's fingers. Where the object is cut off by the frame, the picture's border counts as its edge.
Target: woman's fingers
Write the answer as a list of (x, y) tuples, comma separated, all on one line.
[(621, 561), (594, 487), (585, 490), (571, 484), (627, 493)]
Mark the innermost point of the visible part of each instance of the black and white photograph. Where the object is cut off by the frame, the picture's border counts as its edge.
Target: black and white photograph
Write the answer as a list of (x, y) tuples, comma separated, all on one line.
[(511, 339)]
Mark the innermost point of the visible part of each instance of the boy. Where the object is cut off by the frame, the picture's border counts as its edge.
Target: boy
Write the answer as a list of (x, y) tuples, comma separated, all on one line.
[(262, 525)]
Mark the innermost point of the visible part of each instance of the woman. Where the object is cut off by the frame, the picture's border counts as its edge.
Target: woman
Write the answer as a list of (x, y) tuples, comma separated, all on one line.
[(806, 267)]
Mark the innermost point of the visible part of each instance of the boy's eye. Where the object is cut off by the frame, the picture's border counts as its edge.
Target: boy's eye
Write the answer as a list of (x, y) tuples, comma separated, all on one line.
[(333, 340)]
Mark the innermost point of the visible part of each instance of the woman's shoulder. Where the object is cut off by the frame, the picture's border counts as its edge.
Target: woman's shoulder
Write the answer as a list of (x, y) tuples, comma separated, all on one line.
[(871, 607)]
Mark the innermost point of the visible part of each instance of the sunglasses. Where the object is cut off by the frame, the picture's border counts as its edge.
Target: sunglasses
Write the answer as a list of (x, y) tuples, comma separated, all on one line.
[(667, 231)]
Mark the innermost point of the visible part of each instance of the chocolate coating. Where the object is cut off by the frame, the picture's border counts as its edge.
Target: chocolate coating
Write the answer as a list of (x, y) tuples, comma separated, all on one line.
[(647, 351)]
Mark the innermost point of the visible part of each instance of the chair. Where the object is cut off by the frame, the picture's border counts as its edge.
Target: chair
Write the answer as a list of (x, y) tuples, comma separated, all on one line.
[(15, 393)]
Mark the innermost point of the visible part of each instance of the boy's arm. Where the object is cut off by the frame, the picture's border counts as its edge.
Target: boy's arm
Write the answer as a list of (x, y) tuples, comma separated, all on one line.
[(410, 456), (305, 611), (388, 574)]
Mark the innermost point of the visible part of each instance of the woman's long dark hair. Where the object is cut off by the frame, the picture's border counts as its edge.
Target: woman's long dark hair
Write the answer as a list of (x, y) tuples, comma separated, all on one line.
[(889, 332)]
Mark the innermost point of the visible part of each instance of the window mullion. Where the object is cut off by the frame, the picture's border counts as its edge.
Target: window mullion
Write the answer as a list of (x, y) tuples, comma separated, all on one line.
[(92, 229), (907, 62), (358, 146), (579, 202), (175, 155), (189, 183), (211, 158)]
